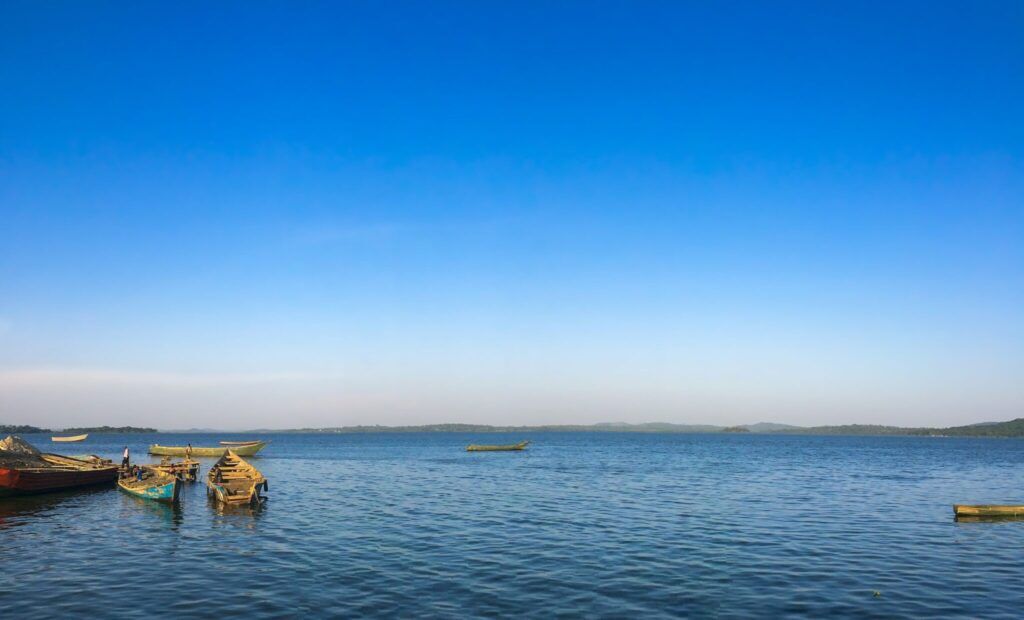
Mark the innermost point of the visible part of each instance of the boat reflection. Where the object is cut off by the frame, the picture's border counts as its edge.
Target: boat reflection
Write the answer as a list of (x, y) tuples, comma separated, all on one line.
[(16, 510), (988, 518), (173, 514)]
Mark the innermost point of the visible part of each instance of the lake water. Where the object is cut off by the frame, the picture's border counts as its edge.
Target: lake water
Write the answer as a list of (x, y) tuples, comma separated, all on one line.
[(602, 525)]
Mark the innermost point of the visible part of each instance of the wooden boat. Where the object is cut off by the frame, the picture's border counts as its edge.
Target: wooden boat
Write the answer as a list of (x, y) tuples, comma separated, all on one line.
[(53, 472), (70, 439), (92, 458), (155, 485), (187, 470), (246, 450), (235, 482), (484, 448), (987, 510), (238, 443)]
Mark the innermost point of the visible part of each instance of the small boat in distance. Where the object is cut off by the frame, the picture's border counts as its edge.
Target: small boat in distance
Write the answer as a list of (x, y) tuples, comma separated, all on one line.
[(234, 482), (153, 484), (70, 439), (248, 449), (987, 510), (505, 448)]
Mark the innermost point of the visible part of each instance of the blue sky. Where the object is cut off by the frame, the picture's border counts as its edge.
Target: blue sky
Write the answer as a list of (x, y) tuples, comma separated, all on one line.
[(321, 214)]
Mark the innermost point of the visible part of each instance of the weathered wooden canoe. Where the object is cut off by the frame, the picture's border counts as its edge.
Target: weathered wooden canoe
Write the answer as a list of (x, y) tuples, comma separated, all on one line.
[(54, 473), (187, 470), (70, 439), (484, 448), (987, 510), (238, 443), (155, 485), (235, 482), (246, 450)]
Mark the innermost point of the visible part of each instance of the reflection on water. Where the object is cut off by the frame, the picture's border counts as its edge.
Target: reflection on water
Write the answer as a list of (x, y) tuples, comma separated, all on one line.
[(171, 514), (602, 525), (20, 510), (988, 518)]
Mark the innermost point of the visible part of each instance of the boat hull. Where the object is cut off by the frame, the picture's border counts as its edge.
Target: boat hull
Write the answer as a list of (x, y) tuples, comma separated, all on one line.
[(246, 450), (73, 439), (167, 492), (508, 448), (987, 510), (188, 471), (234, 482), (35, 481)]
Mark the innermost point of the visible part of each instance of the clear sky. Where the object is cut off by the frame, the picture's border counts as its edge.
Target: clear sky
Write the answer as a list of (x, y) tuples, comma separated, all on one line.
[(301, 214)]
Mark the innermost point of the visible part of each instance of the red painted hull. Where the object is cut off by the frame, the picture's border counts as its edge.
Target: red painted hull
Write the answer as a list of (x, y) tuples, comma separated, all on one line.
[(29, 482)]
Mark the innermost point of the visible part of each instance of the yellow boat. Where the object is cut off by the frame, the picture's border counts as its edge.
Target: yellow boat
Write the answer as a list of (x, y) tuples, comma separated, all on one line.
[(987, 510), (246, 450), (484, 448), (187, 470), (234, 482), (70, 439)]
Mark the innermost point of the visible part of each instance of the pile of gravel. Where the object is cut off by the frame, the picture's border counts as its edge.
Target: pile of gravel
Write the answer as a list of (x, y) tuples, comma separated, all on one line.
[(16, 452)]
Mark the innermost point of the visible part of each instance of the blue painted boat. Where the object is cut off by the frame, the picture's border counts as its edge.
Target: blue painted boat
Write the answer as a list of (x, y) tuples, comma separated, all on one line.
[(154, 485)]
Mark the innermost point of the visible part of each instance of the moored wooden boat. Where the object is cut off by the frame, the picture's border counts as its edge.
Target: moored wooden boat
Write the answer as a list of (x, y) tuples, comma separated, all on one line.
[(155, 485), (235, 482), (187, 470), (988, 510), (246, 450), (239, 443), (53, 473), (499, 448), (71, 439)]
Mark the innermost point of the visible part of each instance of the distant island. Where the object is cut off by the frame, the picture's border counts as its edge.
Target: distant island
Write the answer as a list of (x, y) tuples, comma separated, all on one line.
[(1012, 428), (110, 429), (24, 429)]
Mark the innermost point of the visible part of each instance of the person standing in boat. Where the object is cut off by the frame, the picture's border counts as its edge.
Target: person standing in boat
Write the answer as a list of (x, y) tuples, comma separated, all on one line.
[(188, 451), (125, 458)]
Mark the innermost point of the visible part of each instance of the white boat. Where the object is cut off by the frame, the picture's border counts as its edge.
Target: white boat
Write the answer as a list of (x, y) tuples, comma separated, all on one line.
[(70, 439)]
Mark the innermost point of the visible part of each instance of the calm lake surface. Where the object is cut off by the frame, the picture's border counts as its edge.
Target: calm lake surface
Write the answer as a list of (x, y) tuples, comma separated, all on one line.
[(610, 525)]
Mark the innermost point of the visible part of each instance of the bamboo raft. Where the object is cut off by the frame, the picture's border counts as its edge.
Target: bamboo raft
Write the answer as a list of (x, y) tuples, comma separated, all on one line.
[(248, 449), (987, 510), (501, 448), (155, 485), (71, 439), (234, 482)]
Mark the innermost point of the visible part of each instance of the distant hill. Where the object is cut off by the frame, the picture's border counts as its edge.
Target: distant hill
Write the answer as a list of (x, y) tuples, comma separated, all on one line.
[(9, 429), (1012, 428), (617, 427), (769, 427), (109, 429)]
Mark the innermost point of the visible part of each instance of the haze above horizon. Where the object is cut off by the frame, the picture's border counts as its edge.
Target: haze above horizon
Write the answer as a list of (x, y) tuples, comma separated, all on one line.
[(327, 214)]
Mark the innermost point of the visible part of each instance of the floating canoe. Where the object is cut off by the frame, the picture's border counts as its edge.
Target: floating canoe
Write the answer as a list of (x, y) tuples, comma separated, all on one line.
[(987, 510), (238, 443), (155, 485), (54, 473), (246, 450), (70, 439), (234, 482), (187, 470), (483, 448)]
